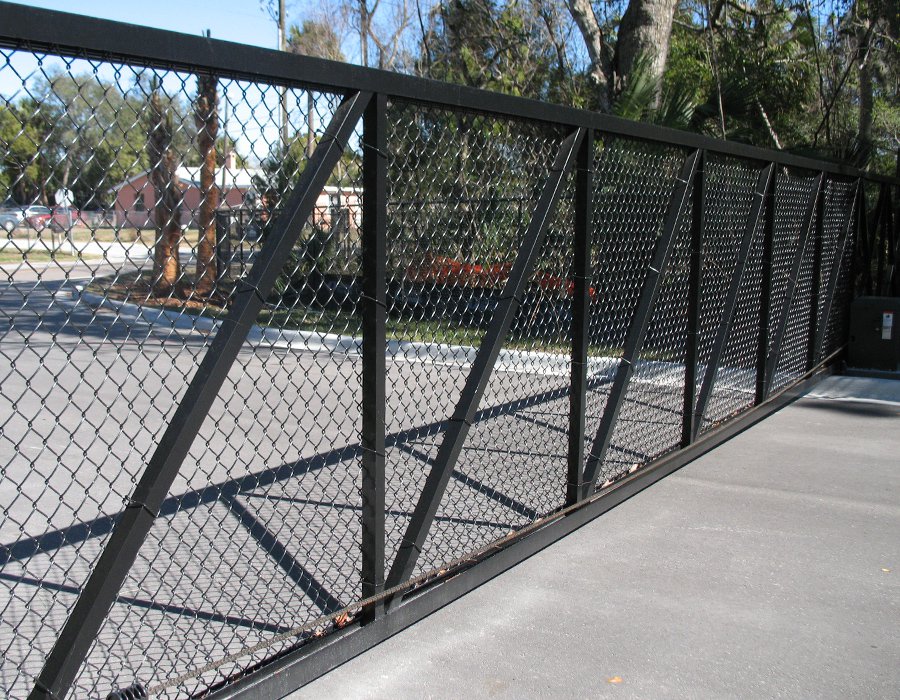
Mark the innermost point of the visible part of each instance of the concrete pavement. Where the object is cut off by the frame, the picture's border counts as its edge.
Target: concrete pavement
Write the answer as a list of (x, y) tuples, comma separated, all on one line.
[(770, 567)]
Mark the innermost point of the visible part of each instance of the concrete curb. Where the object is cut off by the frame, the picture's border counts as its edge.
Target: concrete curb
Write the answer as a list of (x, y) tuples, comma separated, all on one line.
[(655, 372), (309, 341)]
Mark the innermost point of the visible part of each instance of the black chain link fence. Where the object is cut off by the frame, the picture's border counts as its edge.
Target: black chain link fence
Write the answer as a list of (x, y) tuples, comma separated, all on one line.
[(159, 209)]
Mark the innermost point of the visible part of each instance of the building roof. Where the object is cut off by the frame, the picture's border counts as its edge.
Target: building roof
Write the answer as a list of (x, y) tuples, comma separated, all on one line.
[(234, 177)]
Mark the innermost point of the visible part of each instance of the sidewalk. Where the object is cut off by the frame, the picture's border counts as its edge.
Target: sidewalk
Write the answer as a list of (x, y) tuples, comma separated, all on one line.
[(770, 567)]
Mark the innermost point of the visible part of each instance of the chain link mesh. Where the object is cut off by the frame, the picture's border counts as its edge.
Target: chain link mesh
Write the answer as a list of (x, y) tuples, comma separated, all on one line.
[(462, 190), (730, 185), (139, 198), (793, 194), (633, 186)]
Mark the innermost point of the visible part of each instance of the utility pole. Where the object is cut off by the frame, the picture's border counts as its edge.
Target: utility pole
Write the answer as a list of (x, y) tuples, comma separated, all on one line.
[(282, 91)]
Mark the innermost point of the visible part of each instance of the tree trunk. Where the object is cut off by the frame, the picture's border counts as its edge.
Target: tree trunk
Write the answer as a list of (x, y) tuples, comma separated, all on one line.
[(644, 31), (364, 32), (206, 116), (866, 90), (583, 14), (167, 210)]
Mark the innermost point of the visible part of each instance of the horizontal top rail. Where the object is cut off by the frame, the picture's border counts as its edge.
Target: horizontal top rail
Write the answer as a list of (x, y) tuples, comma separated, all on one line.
[(74, 35)]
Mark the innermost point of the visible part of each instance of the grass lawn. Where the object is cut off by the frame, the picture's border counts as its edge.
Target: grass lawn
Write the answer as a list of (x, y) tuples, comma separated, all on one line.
[(136, 288), (39, 257), (80, 234)]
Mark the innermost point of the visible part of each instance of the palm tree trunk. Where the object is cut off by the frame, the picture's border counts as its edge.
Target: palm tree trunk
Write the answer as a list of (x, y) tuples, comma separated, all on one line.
[(206, 116), (167, 209)]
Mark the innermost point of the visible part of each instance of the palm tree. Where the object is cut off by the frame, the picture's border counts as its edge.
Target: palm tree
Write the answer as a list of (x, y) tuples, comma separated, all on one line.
[(167, 207), (206, 117)]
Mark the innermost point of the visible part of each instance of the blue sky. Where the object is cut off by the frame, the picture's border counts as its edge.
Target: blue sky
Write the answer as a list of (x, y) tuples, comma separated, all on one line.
[(242, 21), (234, 20)]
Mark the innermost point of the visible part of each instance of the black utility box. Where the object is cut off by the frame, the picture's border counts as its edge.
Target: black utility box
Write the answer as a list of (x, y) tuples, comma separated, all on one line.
[(875, 334)]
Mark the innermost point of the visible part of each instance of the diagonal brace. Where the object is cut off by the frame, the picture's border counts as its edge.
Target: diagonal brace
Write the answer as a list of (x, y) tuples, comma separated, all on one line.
[(763, 182), (477, 379), (640, 322), (105, 581), (833, 276), (784, 315)]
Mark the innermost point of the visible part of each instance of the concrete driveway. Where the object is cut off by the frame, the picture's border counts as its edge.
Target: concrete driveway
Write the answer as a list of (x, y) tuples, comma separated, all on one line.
[(769, 568)]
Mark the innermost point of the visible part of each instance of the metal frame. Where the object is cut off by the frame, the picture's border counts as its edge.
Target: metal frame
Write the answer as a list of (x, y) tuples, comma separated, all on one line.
[(303, 665), (815, 301), (367, 93), (875, 244), (765, 294), (764, 183), (887, 265), (799, 251), (695, 279), (581, 309), (112, 567), (373, 311), (74, 35), (824, 315), (477, 379), (640, 323)]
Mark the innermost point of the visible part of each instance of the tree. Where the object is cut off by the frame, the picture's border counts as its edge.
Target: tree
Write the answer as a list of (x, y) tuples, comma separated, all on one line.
[(23, 176), (642, 35), (167, 208), (92, 143), (206, 117)]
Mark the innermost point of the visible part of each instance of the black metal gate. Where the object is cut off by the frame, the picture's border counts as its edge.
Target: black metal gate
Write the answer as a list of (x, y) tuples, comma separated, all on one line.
[(532, 313)]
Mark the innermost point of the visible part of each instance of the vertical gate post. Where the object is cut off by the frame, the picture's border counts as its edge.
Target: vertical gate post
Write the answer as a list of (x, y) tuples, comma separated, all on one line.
[(581, 304), (793, 279), (480, 373), (816, 290), (372, 308), (834, 275), (692, 348), (893, 246), (879, 239), (765, 295), (861, 243)]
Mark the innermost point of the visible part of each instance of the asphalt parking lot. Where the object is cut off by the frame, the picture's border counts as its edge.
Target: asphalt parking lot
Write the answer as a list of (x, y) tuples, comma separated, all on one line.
[(260, 531)]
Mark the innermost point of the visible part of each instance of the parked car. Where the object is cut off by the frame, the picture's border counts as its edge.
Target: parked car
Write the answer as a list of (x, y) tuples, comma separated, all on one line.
[(8, 220), (63, 218), (40, 220), (15, 215)]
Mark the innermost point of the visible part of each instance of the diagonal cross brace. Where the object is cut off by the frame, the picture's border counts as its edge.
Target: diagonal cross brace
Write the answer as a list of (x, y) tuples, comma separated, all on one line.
[(833, 276), (108, 575), (757, 206), (477, 379), (781, 327), (640, 322)]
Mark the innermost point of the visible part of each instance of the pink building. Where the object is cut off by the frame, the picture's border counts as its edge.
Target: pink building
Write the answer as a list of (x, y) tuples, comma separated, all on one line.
[(135, 197)]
